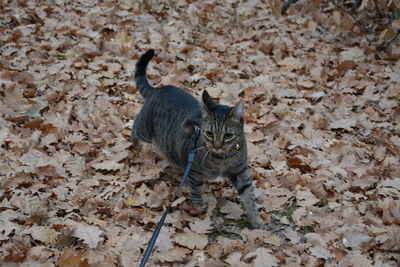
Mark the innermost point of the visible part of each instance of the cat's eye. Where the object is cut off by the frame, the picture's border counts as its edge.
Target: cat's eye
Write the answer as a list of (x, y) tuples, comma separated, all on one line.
[(209, 134), (228, 135)]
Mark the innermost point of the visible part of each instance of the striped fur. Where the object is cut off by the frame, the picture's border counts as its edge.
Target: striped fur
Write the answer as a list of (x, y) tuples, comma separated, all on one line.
[(167, 118)]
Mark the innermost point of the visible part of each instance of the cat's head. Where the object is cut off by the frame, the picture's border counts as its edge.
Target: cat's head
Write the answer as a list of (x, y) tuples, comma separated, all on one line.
[(221, 125)]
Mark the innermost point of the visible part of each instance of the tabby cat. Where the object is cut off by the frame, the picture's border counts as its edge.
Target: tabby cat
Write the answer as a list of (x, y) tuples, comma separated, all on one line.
[(167, 119)]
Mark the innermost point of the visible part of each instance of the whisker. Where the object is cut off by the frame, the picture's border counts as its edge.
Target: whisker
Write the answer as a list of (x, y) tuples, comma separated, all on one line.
[(202, 157), (236, 152), (199, 148), (208, 152)]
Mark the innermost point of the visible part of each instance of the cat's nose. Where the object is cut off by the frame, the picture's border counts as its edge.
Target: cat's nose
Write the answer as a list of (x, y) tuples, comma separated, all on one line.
[(217, 145)]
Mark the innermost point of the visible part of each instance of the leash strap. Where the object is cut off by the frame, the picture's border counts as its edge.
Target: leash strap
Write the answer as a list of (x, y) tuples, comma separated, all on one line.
[(160, 224)]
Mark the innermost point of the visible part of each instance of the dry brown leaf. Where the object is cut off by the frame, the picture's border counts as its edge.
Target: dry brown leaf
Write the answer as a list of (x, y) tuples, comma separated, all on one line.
[(173, 255), (255, 136), (346, 124), (234, 259), (164, 241), (319, 246), (39, 254), (191, 240), (290, 64), (296, 162), (108, 165), (45, 234), (201, 226), (158, 195), (232, 210), (73, 261), (304, 84), (359, 260), (322, 116), (81, 147), (91, 235), (229, 245), (6, 228), (263, 257), (273, 240), (71, 258), (389, 187), (353, 54)]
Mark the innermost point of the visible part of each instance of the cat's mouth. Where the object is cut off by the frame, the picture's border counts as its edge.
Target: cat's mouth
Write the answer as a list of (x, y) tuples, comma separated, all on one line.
[(217, 150)]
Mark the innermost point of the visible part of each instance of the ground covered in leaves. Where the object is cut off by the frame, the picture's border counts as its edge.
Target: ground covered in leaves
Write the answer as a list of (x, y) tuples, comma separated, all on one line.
[(322, 113)]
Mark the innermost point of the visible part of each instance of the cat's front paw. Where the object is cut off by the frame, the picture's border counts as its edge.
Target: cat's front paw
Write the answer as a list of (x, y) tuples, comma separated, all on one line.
[(194, 210)]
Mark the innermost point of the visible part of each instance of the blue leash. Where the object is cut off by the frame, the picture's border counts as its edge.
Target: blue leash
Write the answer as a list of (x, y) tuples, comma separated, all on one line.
[(160, 224)]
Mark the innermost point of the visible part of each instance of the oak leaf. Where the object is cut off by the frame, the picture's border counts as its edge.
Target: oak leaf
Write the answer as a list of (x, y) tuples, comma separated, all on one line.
[(191, 240), (201, 226), (290, 64), (44, 234), (233, 210), (91, 235), (263, 257), (173, 255), (7, 227), (108, 165), (234, 259), (346, 124)]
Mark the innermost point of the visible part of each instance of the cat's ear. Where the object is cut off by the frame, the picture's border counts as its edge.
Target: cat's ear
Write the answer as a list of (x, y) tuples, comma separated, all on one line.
[(208, 103), (237, 112)]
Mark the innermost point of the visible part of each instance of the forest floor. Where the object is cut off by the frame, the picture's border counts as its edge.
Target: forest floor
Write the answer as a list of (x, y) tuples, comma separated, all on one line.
[(322, 122)]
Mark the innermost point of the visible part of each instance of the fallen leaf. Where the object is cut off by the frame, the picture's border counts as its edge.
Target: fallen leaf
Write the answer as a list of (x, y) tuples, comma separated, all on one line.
[(232, 210), (158, 195), (255, 136), (45, 234), (346, 124), (173, 255), (201, 226), (191, 240), (290, 64), (263, 257), (108, 165), (234, 259), (91, 235), (131, 201), (353, 54)]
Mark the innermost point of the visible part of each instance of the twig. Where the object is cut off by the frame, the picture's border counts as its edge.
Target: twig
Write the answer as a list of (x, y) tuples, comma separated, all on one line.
[(383, 46), (378, 9), (286, 5), (356, 21)]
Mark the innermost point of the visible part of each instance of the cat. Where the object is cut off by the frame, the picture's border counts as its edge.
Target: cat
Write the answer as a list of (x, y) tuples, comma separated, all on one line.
[(167, 119)]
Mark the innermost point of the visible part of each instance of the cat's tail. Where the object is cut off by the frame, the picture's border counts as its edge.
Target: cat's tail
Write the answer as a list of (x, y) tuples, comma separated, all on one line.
[(145, 89)]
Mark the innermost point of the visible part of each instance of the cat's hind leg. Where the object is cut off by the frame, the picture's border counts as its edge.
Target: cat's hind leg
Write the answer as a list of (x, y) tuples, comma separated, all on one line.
[(134, 139), (141, 130)]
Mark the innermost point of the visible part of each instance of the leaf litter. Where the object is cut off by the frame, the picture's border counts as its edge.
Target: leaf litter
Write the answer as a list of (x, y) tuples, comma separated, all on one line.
[(322, 114)]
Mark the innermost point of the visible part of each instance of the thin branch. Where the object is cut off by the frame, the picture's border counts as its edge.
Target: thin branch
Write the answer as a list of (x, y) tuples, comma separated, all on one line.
[(356, 21), (387, 43), (378, 9)]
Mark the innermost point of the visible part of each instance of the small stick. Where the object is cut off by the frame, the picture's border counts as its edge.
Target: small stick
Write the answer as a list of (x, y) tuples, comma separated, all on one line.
[(387, 43), (378, 8), (356, 21)]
